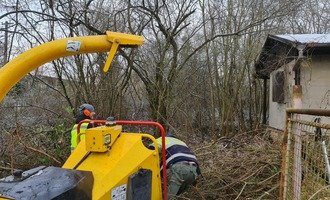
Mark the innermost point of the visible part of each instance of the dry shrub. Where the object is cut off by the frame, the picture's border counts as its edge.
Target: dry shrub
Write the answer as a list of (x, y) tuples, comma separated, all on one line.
[(243, 167), (25, 147)]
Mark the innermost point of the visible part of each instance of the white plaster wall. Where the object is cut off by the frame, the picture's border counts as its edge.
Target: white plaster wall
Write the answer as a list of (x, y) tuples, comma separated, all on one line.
[(276, 114), (315, 81)]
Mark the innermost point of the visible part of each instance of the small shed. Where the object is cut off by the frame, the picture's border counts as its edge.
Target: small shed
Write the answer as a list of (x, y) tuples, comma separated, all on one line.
[(295, 69)]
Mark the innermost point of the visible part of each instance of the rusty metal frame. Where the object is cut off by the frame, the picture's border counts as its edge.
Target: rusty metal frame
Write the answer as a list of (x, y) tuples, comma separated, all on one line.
[(286, 143), (319, 112), (285, 157)]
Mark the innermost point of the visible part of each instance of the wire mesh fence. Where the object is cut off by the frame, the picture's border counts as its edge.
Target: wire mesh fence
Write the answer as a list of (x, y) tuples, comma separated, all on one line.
[(305, 171)]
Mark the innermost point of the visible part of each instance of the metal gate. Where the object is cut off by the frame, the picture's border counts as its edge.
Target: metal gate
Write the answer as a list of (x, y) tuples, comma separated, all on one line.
[(305, 169)]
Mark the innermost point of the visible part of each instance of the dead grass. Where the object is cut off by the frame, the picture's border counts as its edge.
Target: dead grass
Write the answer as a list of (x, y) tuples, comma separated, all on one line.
[(243, 167)]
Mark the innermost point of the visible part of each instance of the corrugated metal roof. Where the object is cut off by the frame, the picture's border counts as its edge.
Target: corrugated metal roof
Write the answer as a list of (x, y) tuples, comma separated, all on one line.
[(307, 38), (281, 49)]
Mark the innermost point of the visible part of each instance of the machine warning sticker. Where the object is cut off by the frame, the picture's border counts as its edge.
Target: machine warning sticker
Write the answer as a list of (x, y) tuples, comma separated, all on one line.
[(119, 193), (73, 46)]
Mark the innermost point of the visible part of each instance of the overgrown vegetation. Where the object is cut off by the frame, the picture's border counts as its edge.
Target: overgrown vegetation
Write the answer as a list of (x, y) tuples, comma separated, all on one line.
[(195, 73), (242, 167), (245, 166)]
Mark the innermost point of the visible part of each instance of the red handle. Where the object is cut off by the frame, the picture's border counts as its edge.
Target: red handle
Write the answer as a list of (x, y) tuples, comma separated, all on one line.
[(162, 132)]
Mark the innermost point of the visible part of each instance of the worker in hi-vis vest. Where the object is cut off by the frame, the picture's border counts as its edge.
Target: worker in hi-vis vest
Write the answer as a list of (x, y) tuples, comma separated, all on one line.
[(86, 112), (181, 165)]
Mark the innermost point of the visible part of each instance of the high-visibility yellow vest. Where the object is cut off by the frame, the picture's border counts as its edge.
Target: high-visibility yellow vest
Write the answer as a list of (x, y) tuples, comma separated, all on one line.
[(169, 141), (74, 134), (176, 151)]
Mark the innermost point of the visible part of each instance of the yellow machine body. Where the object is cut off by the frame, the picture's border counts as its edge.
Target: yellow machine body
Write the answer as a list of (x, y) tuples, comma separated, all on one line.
[(100, 139), (112, 168), (113, 157)]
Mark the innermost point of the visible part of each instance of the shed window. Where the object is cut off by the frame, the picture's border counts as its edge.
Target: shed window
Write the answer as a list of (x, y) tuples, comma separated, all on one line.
[(278, 87)]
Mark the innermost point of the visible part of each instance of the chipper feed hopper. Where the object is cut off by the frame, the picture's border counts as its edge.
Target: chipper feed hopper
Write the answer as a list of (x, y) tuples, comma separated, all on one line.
[(108, 163)]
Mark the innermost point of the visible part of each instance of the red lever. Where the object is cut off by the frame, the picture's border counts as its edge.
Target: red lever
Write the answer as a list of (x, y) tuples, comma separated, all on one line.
[(162, 132)]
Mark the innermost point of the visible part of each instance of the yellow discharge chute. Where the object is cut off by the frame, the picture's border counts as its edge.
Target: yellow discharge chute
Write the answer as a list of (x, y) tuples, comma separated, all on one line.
[(16, 69)]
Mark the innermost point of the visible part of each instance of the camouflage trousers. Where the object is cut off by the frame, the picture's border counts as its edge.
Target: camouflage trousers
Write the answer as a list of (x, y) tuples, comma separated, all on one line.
[(181, 175)]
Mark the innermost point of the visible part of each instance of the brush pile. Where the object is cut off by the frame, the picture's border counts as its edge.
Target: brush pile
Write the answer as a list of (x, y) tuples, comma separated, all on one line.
[(245, 166)]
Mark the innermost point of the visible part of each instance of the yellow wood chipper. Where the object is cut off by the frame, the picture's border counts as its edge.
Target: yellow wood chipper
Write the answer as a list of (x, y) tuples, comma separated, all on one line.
[(108, 163)]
